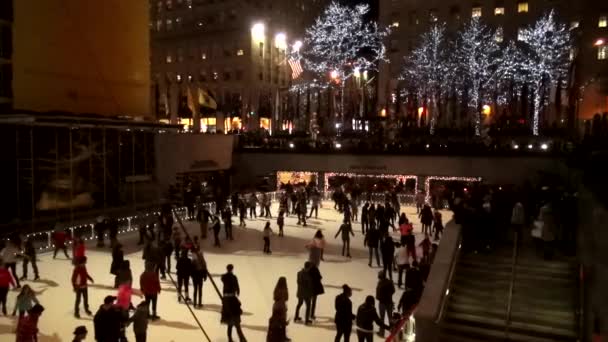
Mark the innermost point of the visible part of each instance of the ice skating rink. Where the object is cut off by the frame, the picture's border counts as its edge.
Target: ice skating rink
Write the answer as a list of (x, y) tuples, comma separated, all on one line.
[(257, 273)]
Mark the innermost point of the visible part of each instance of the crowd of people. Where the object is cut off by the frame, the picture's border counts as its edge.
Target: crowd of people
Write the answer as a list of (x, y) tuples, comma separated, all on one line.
[(168, 250)]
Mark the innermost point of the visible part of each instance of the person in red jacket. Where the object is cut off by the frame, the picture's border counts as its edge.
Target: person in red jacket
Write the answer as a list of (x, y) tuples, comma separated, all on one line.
[(59, 239), (6, 279), (150, 287), (79, 249), (80, 278), (27, 327)]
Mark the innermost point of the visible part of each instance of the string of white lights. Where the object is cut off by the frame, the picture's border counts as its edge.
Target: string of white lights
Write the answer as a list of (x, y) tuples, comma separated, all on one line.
[(427, 182)]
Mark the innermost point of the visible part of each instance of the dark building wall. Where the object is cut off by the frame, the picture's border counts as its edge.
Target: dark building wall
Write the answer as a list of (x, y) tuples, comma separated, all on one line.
[(6, 54)]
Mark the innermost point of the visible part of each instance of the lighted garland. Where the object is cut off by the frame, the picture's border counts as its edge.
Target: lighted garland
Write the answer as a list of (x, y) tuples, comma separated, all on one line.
[(300, 173), (399, 178), (427, 183)]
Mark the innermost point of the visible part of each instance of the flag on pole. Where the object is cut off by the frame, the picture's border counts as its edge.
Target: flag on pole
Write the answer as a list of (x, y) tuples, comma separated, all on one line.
[(205, 99), (296, 67)]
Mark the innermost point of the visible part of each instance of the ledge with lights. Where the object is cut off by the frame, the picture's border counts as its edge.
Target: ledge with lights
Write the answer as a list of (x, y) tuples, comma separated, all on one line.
[(296, 177), (399, 178), (427, 182), (125, 226)]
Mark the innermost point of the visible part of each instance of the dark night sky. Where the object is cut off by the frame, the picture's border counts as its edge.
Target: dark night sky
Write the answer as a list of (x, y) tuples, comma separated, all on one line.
[(372, 3)]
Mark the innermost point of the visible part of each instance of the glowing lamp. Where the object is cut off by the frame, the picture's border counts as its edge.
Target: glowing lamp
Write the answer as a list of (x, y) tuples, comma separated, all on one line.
[(357, 72), (338, 145), (334, 74), (383, 112), (280, 41), (544, 147), (258, 31), (599, 42), (420, 111), (486, 110), (291, 145), (297, 45)]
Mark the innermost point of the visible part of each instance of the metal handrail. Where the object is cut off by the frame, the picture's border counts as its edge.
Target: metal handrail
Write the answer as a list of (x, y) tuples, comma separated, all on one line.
[(511, 286), (581, 304), (446, 293)]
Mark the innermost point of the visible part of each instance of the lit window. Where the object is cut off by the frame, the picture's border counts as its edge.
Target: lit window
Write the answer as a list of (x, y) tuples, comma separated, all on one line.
[(240, 52), (178, 21), (215, 76), (499, 36), (499, 11), (603, 22), (574, 24), (169, 24), (203, 55), (522, 7), (180, 55), (395, 24), (602, 52), (169, 58), (159, 6), (169, 4), (159, 25), (520, 35), (476, 12), (189, 3), (189, 78), (178, 77), (199, 24)]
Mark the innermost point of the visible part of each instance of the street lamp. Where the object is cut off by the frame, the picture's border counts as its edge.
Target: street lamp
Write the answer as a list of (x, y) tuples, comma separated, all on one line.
[(280, 41), (258, 31), (297, 45)]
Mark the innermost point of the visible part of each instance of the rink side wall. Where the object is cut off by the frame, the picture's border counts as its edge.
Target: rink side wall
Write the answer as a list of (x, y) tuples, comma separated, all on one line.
[(250, 166)]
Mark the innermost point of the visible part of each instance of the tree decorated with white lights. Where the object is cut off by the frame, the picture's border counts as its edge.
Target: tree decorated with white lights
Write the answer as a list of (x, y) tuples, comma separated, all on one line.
[(427, 69), (479, 63), (342, 42), (546, 49)]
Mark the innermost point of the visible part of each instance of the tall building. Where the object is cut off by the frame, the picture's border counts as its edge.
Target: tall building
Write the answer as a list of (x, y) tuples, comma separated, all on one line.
[(224, 61), (588, 20), (6, 52), (74, 104)]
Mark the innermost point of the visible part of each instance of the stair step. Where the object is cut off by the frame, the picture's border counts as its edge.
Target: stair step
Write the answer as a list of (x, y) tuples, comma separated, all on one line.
[(529, 328), (481, 334), (475, 320), (493, 311)]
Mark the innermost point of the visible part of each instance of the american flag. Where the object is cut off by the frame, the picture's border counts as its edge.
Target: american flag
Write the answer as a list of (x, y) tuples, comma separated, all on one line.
[(296, 67)]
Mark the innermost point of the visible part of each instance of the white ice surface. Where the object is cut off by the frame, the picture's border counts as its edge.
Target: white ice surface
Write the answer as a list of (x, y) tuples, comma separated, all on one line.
[(257, 275)]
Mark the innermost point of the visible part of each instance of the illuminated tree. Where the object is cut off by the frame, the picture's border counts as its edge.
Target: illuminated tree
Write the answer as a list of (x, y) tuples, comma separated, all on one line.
[(343, 42), (427, 69), (546, 47), (479, 63)]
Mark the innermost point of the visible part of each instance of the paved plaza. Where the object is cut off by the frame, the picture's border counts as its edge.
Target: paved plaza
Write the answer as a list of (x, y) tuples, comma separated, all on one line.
[(257, 273)]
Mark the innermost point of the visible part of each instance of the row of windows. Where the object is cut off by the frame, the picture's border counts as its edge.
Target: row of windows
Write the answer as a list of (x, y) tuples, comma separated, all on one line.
[(170, 24), (477, 11), (178, 56), (226, 75)]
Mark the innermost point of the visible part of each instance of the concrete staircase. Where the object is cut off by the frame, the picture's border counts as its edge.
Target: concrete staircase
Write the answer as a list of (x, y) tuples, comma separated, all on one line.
[(543, 305)]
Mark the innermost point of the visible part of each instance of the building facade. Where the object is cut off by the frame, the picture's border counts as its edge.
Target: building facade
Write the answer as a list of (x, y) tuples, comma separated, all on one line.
[(76, 137), (6, 52), (233, 51), (587, 20)]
